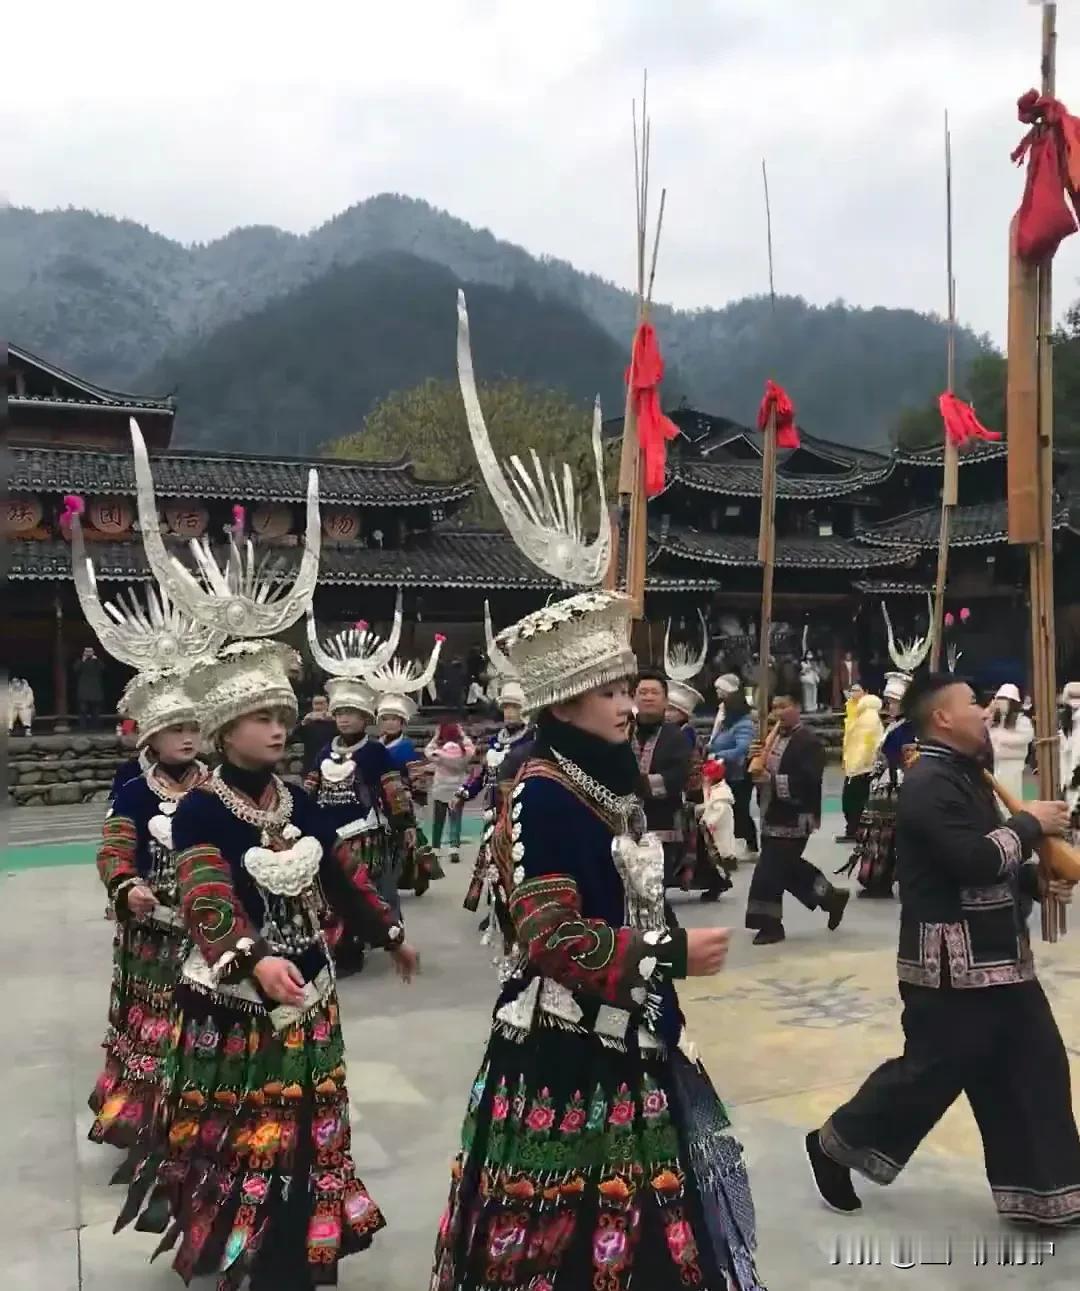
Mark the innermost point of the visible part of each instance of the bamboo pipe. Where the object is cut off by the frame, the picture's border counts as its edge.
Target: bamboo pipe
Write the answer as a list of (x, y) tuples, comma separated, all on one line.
[(756, 766), (1060, 860)]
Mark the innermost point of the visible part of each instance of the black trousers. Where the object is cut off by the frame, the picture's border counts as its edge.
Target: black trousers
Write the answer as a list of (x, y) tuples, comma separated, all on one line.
[(1000, 1046), (743, 791), (853, 800), (782, 868)]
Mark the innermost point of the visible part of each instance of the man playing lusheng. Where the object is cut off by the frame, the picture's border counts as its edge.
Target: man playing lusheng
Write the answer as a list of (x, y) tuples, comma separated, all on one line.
[(975, 1018)]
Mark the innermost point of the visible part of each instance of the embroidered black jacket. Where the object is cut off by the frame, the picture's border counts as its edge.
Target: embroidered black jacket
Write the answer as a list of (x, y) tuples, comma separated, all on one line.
[(663, 755), (791, 797), (966, 877)]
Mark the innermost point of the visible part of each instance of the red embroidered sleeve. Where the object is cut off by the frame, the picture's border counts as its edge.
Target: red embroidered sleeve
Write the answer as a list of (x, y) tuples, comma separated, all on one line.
[(398, 800), (116, 855), (617, 964), (212, 910), (348, 888)]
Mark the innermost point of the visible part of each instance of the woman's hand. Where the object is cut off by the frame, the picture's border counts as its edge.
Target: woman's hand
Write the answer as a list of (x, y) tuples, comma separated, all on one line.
[(406, 961), (140, 900), (706, 950), (281, 980)]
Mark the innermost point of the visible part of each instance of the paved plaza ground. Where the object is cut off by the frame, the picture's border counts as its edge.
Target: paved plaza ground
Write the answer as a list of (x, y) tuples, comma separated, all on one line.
[(787, 1033)]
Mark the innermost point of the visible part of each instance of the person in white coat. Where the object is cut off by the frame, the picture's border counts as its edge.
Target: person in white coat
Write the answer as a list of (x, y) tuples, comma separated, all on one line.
[(1011, 734)]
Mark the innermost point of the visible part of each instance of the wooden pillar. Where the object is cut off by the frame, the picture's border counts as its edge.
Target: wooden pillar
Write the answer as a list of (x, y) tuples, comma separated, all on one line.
[(60, 687)]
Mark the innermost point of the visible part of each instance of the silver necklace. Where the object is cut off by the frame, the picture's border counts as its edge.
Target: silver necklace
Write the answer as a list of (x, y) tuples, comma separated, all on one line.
[(170, 792), (270, 821), (627, 809)]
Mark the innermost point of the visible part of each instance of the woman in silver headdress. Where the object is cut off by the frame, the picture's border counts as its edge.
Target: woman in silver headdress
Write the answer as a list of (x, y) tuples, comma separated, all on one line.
[(595, 1153), (136, 861), (253, 1176)]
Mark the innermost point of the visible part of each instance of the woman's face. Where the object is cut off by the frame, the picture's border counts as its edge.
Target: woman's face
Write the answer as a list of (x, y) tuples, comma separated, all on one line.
[(257, 739), (604, 712), (351, 722), (176, 744), (390, 724)]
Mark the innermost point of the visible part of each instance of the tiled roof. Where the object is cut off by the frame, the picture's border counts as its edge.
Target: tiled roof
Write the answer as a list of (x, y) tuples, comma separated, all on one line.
[(971, 526), (889, 587), (464, 558), (80, 391), (743, 479), (264, 479), (980, 450), (791, 553)]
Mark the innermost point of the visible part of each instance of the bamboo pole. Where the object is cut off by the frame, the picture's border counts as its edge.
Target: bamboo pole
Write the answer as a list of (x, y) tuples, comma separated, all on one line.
[(767, 524), (950, 479), (632, 498)]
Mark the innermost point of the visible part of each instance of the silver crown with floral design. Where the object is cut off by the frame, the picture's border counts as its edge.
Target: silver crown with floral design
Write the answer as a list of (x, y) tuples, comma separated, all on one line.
[(245, 596), (246, 677), (572, 646), (682, 665), (350, 692), (399, 680)]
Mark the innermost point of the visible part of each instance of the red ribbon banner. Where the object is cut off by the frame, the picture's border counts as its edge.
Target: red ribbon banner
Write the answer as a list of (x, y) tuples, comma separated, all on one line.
[(644, 375), (961, 424), (787, 433)]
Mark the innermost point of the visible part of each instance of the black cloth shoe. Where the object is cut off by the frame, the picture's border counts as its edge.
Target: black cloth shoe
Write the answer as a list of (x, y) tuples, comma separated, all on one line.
[(832, 1181), (769, 937), (834, 905), (879, 894), (710, 894)]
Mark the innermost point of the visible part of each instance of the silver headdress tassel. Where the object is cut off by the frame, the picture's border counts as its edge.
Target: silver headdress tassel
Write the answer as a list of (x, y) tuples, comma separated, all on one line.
[(543, 516), (355, 652), (244, 597)]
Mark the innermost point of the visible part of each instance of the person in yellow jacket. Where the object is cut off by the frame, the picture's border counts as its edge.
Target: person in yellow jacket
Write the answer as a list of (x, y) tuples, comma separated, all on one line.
[(863, 733)]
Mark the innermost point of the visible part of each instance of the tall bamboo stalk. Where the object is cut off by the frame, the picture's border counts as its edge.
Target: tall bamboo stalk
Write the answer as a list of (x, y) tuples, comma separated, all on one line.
[(632, 462), (950, 479), (1031, 476), (767, 525)]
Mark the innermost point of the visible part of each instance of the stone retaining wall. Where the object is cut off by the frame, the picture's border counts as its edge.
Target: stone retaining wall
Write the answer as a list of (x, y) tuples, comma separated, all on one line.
[(62, 770)]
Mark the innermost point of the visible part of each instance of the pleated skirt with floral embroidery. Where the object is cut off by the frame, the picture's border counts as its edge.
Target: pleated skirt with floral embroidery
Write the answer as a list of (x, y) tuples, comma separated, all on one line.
[(127, 1098), (577, 1173), (254, 1170)]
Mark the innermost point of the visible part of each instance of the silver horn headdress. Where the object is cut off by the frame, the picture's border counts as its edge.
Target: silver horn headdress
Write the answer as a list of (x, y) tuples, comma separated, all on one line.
[(354, 652), (244, 597), (682, 665), (154, 636), (510, 688), (907, 656), (398, 681), (156, 639), (571, 646), (543, 515)]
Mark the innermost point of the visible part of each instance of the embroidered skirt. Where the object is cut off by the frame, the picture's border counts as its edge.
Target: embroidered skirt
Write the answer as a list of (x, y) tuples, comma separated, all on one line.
[(147, 957), (874, 856), (584, 1169), (254, 1171)]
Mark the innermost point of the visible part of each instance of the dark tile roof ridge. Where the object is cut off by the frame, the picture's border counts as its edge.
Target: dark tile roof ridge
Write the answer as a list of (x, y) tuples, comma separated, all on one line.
[(107, 396)]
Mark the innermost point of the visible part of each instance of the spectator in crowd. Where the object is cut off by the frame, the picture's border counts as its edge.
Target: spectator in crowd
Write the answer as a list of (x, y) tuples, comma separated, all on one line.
[(89, 688), (317, 728), (450, 753)]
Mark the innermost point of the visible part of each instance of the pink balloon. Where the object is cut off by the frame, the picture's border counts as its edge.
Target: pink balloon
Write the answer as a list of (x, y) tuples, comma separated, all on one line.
[(965, 614)]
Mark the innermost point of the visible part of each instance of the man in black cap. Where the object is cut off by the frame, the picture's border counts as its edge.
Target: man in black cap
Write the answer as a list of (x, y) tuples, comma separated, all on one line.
[(975, 1018)]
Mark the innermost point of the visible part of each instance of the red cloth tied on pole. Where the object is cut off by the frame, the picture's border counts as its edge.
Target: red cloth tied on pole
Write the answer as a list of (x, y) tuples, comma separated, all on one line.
[(644, 375), (787, 434), (961, 424), (1052, 149)]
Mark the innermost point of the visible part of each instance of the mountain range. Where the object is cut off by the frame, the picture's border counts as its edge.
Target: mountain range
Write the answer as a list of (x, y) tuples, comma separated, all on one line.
[(280, 342)]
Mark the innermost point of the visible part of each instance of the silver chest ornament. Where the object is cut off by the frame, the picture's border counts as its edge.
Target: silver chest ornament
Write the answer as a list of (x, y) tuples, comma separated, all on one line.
[(289, 872), (160, 826), (337, 769)]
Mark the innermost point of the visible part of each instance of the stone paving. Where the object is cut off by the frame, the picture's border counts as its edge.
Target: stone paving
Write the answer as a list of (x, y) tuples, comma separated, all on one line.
[(787, 1033)]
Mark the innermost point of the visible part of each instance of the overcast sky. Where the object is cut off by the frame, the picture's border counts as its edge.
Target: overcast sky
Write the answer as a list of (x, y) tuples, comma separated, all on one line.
[(196, 118)]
